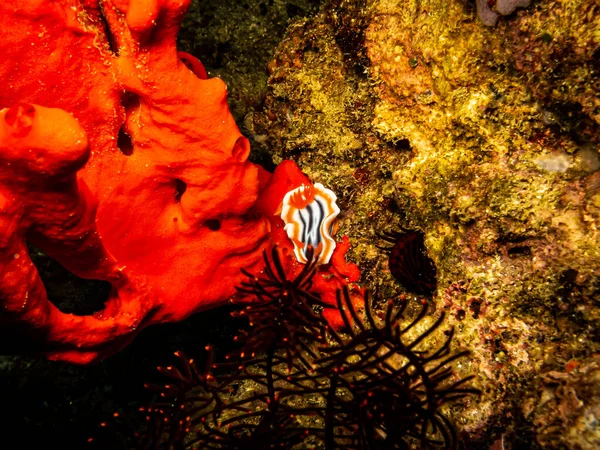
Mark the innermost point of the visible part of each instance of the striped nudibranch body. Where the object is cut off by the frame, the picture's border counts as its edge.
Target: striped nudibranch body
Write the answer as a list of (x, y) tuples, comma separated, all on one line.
[(308, 213)]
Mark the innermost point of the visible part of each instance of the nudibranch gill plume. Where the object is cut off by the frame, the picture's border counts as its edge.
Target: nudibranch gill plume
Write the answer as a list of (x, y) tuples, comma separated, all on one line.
[(309, 213)]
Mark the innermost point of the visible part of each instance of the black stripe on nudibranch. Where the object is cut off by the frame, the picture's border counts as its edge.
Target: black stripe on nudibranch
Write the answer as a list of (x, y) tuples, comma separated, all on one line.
[(311, 218), (317, 223), (304, 225), (409, 263)]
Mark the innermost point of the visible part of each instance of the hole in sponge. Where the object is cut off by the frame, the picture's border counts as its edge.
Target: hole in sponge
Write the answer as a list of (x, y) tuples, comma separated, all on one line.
[(180, 188), (213, 224), (130, 102), (124, 143), (69, 293)]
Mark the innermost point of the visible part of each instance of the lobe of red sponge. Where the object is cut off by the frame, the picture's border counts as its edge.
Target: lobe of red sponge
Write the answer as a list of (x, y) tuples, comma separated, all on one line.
[(121, 160)]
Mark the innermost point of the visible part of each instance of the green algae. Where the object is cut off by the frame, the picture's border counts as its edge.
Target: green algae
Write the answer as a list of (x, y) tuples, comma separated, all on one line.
[(235, 41)]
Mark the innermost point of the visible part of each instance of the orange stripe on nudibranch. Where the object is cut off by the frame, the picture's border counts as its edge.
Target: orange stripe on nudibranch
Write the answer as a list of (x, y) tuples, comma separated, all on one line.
[(309, 213), (301, 197)]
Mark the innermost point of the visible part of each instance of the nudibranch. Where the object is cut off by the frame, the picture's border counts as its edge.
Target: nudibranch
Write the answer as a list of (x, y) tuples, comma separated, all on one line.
[(309, 213)]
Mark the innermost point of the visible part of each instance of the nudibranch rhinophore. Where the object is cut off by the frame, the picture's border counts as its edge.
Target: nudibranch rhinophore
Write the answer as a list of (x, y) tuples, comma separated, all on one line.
[(308, 212)]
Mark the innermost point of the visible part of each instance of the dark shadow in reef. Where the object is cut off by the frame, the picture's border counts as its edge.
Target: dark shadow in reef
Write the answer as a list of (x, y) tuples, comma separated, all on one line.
[(60, 405)]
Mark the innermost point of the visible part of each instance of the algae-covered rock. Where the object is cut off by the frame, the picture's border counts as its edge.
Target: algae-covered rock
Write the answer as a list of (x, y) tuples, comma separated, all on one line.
[(486, 139), (235, 40)]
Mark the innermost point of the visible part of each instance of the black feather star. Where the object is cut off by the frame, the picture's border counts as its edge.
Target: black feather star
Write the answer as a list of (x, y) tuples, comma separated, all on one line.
[(282, 312), (298, 383), (388, 385)]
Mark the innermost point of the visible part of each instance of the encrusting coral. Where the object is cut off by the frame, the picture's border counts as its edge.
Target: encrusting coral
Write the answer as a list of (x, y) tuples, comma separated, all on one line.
[(486, 141), (121, 160)]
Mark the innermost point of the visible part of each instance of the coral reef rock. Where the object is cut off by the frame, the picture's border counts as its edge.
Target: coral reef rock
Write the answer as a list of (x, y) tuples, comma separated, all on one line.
[(485, 139)]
